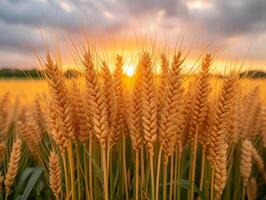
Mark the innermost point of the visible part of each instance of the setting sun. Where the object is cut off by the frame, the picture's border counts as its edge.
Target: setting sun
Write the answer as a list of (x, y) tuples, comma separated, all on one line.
[(148, 100), (129, 69)]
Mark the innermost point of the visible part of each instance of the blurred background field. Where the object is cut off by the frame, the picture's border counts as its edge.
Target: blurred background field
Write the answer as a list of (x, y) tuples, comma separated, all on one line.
[(27, 89)]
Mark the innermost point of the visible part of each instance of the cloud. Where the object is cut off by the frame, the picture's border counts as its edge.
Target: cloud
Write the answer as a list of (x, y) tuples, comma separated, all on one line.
[(18, 38), (234, 18), (218, 21)]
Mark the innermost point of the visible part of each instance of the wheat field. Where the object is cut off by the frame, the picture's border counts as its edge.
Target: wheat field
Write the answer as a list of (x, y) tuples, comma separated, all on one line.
[(105, 135)]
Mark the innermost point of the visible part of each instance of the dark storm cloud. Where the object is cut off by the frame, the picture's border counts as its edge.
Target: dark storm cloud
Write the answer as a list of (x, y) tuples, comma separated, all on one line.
[(238, 17)]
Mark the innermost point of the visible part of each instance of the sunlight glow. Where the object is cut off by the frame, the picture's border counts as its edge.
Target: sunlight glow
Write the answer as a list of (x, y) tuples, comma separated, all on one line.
[(129, 69), (198, 5)]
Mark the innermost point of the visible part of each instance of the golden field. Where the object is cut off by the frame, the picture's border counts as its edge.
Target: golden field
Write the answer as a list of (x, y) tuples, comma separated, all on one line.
[(28, 89), (107, 135)]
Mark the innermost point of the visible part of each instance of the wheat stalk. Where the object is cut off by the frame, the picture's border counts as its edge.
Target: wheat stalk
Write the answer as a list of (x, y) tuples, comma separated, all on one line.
[(171, 108), (246, 161), (163, 81), (55, 175), (13, 165), (217, 152), (259, 162), (252, 189), (95, 101), (60, 98), (149, 110), (98, 108), (80, 123)]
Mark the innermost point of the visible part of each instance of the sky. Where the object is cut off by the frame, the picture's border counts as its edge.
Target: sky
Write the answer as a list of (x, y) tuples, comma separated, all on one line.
[(234, 30)]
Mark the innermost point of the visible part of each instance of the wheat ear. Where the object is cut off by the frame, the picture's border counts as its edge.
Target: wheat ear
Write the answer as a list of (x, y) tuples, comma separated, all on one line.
[(110, 98), (54, 130), (252, 189), (200, 103), (95, 101), (2, 151), (163, 81), (135, 114), (60, 98), (246, 161), (55, 175), (119, 124), (218, 138), (98, 108), (149, 110), (171, 108), (13, 165), (28, 137), (83, 128), (259, 162)]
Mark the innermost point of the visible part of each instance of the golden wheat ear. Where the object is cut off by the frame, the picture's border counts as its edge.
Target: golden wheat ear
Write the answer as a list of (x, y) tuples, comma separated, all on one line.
[(109, 93), (28, 137), (246, 161), (55, 175), (149, 106), (135, 114), (171, 108), (163, 81), (13, 165), (200, 104), (119, 123), (95, 104), (2, 178), (252, 189), (60, 99), (217, 149), (82, 131), (2, 151), (259, 162)]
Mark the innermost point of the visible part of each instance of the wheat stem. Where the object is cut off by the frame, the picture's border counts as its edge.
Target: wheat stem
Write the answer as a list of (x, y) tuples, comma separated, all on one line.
[(171, 177), (104, 166), (165, 164), (203, 159), (86, 175), (72, 171), (137, 175), (124, 164), (175, 173), (78, 169), (158, 173), (66, 175), (90, 168), (152, 177), (212, 184), (193, 164), (142, 166), (243, 192), (179, 172)]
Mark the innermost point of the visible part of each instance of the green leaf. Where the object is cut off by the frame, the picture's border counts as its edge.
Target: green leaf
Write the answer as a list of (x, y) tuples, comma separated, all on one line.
[(186, 184), (115, 181), (98, 170), (22, 180), (31, 183)]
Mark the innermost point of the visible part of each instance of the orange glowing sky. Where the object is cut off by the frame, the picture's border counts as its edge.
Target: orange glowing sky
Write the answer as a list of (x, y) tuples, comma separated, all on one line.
[(235, 31)]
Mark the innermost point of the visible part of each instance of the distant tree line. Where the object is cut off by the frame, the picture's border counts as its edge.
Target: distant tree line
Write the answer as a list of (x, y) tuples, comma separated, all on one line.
[(32, 73), (253, 74), (71, 73)]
